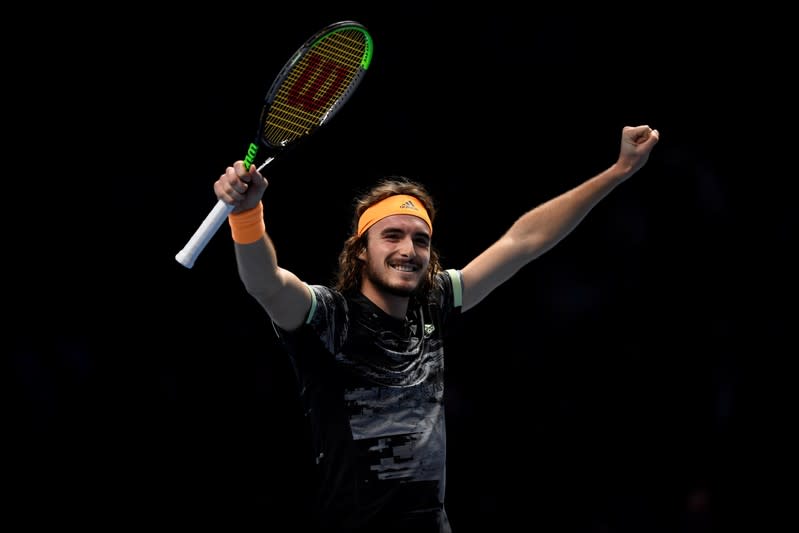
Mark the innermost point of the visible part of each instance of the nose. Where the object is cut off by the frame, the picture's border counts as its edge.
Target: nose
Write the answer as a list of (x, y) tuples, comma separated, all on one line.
[(407, 247)]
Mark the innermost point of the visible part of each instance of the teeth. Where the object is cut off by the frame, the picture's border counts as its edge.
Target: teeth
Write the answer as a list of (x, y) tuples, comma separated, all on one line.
[(405, 268)]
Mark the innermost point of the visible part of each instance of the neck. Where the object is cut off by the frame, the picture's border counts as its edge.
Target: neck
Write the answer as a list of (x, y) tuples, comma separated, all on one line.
[(393, 305)]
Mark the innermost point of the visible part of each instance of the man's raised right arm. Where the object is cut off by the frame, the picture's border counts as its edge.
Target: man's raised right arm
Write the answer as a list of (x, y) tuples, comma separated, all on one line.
[(280, 292)]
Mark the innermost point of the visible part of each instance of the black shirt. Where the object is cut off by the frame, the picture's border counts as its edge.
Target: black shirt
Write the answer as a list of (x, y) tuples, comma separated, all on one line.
[(373, 389)]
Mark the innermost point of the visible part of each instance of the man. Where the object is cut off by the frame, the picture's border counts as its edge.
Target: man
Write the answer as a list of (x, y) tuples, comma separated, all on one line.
[(369, 352)]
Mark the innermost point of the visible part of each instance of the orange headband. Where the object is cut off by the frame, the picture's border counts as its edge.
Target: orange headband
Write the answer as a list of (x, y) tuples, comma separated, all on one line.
[(400, 204)]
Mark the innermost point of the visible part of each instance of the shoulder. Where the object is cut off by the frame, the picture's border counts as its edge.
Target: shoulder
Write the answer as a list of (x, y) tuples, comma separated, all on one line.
[(325, 300), (448, 288)]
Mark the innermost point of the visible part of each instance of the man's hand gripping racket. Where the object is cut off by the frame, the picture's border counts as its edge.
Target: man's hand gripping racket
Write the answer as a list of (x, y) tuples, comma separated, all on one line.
[(309, 90)]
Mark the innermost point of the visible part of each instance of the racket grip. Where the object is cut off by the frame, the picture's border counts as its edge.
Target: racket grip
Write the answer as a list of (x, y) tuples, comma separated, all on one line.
[(202, 236)]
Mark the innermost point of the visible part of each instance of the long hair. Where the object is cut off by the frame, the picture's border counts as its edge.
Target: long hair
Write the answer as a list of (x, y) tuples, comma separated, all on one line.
[(350, 268)]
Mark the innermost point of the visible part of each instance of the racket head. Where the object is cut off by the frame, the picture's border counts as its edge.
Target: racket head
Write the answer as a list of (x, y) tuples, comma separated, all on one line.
[(314, 83)]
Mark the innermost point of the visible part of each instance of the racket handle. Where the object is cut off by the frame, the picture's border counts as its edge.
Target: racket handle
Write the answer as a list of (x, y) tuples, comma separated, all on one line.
[(207, 229)]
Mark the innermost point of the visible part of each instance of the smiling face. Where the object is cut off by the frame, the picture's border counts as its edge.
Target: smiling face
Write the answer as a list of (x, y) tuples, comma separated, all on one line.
[(396, 257)]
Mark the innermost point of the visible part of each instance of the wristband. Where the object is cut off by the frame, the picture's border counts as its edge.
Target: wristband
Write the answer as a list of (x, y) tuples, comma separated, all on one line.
[(247, 226)]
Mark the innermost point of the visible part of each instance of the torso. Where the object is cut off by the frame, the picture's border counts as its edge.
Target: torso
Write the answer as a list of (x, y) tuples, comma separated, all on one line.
[(373, 386)]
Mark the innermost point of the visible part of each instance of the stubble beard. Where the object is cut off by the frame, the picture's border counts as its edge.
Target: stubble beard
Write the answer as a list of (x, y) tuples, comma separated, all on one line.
[(382, 283)]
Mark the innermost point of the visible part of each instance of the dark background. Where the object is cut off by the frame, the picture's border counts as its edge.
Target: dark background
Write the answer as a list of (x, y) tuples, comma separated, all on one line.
[(629, 380)]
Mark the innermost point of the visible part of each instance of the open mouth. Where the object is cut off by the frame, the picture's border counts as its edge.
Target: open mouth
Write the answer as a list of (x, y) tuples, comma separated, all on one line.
[(405, 267)]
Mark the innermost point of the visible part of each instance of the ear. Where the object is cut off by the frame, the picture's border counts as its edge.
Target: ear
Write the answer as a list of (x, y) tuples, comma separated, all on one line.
[(364, 246)]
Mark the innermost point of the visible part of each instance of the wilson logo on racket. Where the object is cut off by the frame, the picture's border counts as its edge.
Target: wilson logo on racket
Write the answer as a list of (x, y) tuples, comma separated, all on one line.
[(304, 92), (252, 150)]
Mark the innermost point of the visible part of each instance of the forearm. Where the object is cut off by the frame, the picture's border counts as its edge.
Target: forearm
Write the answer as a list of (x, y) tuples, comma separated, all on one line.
[(544, 226), (257, 267), (255, 253)]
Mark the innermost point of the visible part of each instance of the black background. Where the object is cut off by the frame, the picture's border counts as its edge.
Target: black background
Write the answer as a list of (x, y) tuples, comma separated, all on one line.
[(615, 384)]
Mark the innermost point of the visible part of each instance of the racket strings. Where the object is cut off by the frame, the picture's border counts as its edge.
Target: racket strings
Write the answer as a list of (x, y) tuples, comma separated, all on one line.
[(314, 87)]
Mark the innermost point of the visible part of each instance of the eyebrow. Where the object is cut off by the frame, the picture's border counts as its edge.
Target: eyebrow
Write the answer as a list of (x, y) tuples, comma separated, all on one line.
[(395, 229)]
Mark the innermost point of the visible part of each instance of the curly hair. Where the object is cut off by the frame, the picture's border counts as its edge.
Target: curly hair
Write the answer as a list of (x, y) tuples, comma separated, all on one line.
[(350, 267)]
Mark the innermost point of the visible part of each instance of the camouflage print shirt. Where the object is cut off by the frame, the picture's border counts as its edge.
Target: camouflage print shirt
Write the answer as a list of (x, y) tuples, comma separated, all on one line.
[(373, 389)]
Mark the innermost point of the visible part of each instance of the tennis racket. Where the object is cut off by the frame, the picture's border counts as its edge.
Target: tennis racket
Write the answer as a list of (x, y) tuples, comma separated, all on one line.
[(307, 92)]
